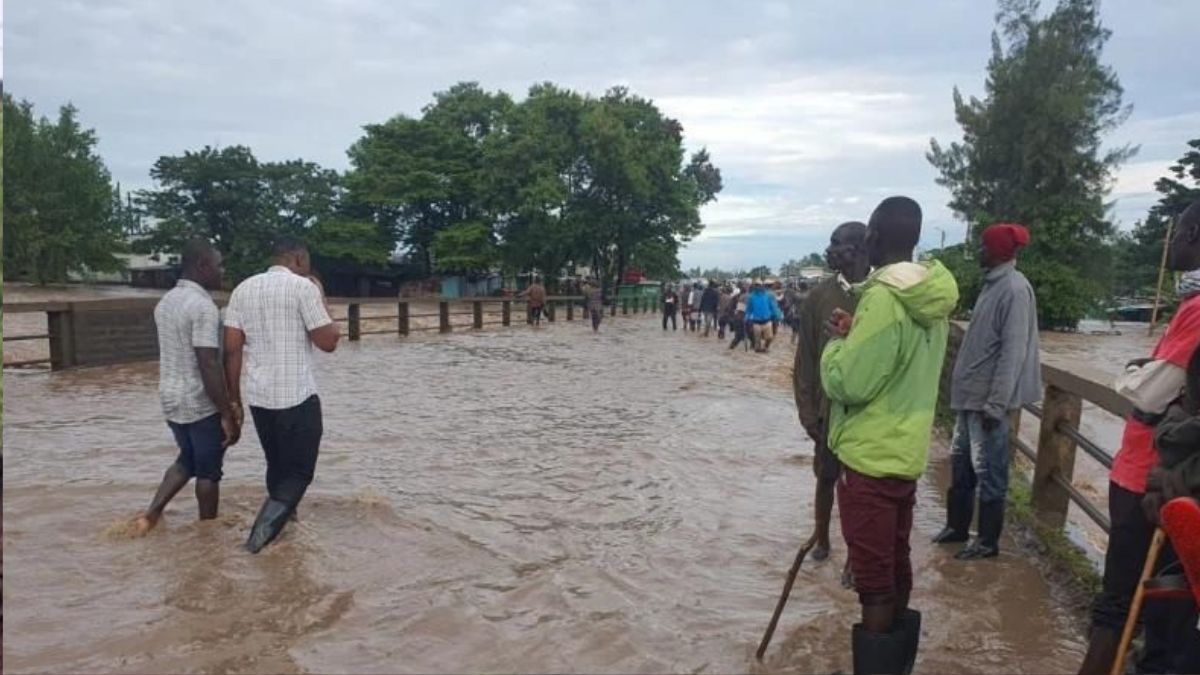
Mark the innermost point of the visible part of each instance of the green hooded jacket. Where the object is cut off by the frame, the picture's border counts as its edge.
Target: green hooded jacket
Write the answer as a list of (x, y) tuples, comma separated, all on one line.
[(882, 379)]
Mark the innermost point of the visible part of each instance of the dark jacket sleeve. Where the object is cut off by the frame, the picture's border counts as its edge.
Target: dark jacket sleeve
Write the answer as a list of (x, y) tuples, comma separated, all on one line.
[(806, 371)]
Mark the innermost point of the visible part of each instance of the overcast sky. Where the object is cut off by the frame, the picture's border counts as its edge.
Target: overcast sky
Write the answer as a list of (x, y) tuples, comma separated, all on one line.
[(813, 110)]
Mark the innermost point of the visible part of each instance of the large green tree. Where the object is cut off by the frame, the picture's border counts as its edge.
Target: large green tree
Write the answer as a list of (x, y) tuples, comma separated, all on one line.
[(58, 206), (225, 195), (1032, 149), (422, 176)]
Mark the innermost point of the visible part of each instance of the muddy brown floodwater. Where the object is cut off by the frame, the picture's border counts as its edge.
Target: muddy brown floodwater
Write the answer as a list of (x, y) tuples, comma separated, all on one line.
[(502, 501)]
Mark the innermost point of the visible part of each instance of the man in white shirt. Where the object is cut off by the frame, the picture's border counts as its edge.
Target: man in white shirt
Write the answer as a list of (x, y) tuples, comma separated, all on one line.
[(271, 325), (191, 385)]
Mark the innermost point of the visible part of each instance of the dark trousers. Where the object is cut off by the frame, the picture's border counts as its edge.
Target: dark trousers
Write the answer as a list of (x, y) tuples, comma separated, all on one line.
[(291, 439), (1172, 640), (597, 314), (741, 331), (671, 316)]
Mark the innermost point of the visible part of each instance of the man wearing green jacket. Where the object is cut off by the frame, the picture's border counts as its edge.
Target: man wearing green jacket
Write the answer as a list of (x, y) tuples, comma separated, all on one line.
[(881, 375)]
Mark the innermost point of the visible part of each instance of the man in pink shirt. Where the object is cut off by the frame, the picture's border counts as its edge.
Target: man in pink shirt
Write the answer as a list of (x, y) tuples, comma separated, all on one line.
[(1131, 531)]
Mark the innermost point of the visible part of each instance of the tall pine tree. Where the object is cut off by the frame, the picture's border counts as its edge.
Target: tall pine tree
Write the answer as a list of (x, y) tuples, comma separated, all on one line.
[(1032, 149)]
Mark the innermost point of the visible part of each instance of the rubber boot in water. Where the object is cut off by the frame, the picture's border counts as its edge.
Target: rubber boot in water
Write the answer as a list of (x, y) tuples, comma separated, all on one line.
[(909, 623), (878, 653), (1102, 651), (987, 544), (960, 505), (272, 517)]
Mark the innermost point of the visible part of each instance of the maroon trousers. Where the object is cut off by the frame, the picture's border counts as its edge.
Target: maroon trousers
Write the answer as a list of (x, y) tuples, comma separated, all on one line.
[(877, 517)]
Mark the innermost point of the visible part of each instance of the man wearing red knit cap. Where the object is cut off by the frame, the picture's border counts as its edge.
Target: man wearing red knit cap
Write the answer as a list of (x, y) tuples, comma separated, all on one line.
[(998, 370)]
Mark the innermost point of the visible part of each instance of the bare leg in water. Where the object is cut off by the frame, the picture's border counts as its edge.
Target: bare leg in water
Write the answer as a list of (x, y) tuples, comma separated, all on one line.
[(824, 513), (208, 496), (173, 481)]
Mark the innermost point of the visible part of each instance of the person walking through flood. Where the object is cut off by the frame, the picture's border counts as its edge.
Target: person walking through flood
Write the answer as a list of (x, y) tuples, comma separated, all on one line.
[(593, 297), (696, 299), (536, 295), (1150, 387), (724, 315), (998, 370), (761, 312), (191, 385), (880, 371), (685, 305), (741, 327), (670, 305), (710, 302), (847, 257), (273, 321)]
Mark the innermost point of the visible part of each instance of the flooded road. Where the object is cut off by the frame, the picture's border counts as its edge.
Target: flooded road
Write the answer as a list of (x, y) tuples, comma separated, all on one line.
[(512, 500)]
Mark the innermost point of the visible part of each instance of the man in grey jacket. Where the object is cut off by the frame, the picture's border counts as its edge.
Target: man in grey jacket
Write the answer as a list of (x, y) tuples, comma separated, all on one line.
[(998, 370)]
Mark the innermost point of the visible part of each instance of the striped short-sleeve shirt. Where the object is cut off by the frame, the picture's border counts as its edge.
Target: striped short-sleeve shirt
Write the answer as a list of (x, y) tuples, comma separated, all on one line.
[(276, 310), (186, 318)]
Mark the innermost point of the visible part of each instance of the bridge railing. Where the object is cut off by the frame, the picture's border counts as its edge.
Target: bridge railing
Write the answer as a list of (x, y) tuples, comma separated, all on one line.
[(1059, 437), (102, 332)]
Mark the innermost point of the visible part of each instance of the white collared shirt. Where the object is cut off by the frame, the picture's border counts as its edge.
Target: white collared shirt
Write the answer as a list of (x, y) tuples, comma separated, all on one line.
[(185, 318), (276, 310)]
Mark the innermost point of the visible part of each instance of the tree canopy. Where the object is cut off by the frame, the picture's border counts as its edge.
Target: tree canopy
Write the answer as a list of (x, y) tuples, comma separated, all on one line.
[(58, 198), (228, 197), (1032, 149)]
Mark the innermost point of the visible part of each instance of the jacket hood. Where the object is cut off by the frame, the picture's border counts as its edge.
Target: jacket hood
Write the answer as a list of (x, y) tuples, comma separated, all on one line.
[(927, 291)]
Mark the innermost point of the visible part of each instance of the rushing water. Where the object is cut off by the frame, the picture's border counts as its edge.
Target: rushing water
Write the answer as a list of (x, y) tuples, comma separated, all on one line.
[(510, 500)]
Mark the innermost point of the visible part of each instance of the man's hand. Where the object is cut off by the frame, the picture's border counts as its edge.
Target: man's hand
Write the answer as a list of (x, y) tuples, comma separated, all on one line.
[(990, 423), (839, 323), (231, 427), (1137, 363)]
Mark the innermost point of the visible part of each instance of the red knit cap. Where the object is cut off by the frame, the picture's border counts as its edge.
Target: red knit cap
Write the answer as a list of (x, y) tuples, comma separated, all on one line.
[(1003, 239)]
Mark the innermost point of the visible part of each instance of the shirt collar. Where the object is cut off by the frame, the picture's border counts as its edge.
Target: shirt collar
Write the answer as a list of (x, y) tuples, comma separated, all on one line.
[(190, 285), (1000, 271), (276, 269)]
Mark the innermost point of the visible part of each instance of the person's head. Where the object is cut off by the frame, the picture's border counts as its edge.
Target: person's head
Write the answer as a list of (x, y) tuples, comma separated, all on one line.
[(893, 231), (847, 252), (1185, 245), (1000, 243), (804, 284), (292, 254), (202, 264)]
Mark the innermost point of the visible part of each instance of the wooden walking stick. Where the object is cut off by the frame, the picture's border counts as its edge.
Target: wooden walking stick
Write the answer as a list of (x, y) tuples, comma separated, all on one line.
[(1135, 608), (783, 598)]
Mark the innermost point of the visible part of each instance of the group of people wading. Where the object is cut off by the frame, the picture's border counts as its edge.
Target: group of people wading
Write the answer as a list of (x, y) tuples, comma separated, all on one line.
[(871, 342), (751, 311)]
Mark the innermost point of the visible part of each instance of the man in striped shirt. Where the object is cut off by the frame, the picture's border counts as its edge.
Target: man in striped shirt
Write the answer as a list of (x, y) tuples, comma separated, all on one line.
[(191, 385), (273, 321)]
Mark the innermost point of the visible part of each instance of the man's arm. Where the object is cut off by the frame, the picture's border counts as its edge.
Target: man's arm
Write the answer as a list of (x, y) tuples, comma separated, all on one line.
[(323, 332), (855, 369), (1014, 328), (804, 375), (213, 376), (235, 343)]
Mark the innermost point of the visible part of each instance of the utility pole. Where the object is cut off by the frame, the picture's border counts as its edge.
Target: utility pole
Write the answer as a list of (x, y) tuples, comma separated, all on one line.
[(1162, 273)]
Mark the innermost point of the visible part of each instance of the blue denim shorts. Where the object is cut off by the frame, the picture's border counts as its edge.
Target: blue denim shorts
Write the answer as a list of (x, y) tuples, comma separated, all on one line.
[(200, 451)]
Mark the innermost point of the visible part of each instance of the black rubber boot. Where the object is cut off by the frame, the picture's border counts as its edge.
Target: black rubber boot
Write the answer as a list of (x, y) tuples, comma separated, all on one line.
[(878, 653), (272, 517), (960, 507), (909, 623), (987, 544)]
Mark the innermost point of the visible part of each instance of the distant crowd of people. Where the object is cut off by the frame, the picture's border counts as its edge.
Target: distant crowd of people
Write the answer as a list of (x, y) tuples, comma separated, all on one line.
[(751, 311)]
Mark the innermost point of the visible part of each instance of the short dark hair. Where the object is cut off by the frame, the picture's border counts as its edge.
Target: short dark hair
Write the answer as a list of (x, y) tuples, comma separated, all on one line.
[(287, 246), (897, 221), (194, 252), (853, 230)]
